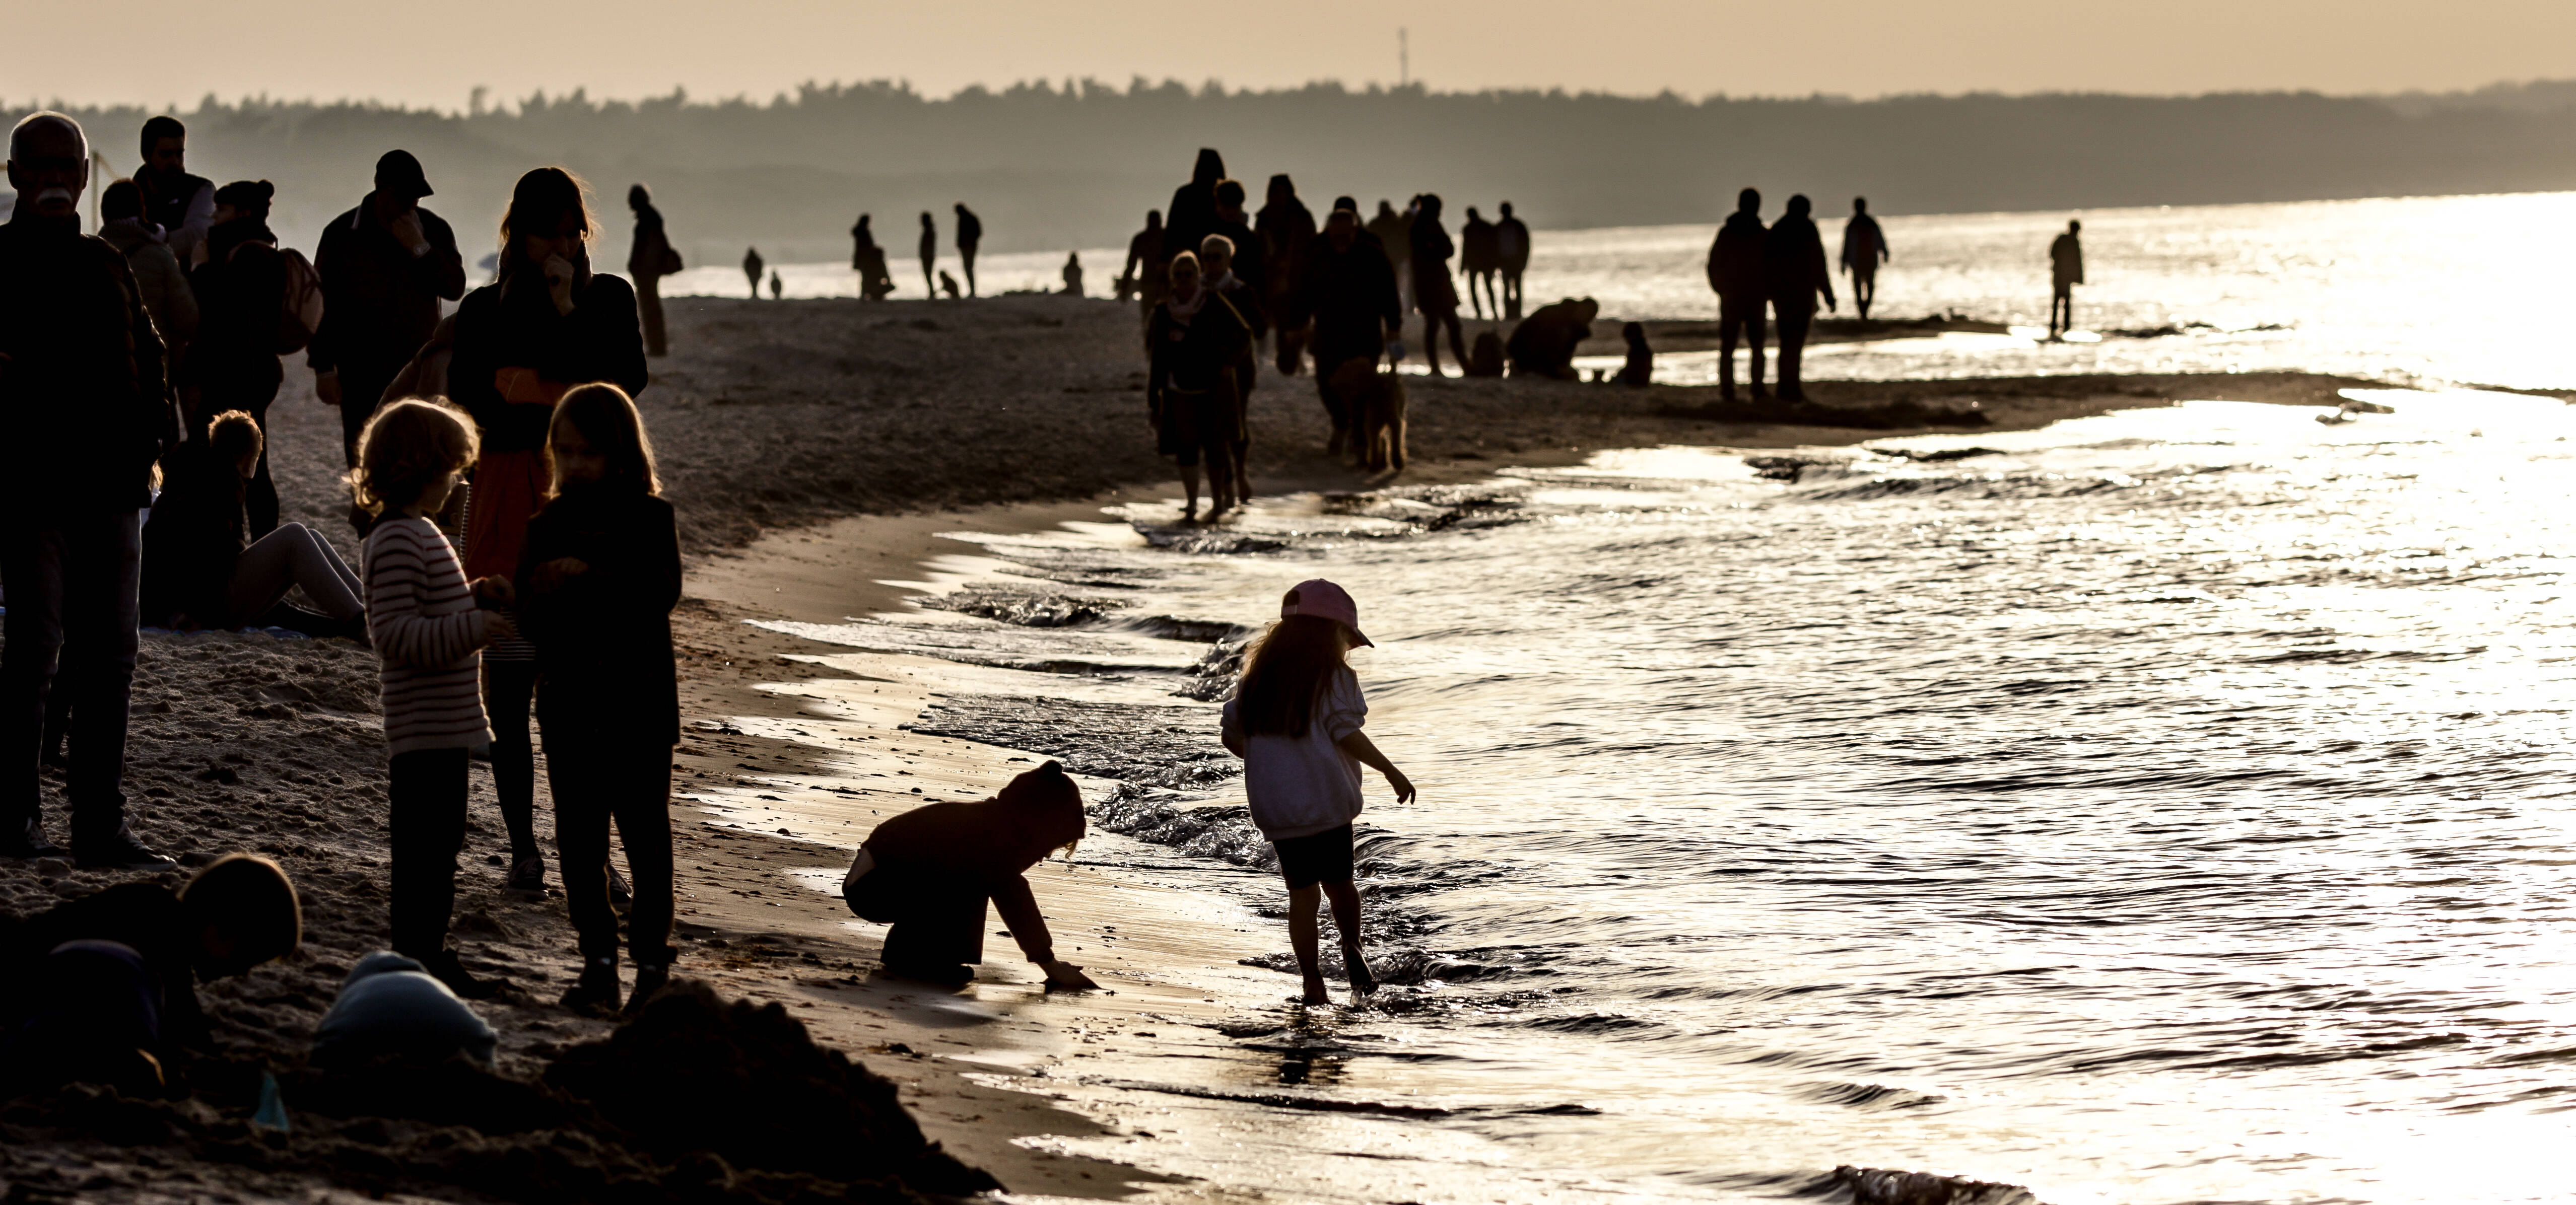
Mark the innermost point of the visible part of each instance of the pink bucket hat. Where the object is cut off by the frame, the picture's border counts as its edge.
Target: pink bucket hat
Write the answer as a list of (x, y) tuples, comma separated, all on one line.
[(1324, 600)]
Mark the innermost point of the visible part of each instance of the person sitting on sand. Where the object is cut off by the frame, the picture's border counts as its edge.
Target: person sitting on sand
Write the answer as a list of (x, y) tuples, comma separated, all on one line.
[(1639, 371), (596, 586), (1194, 340), (429, 625), (948, 285), (1543, 344), (1073, 274), (389, 1007), (929, 873), (200, 569), (1295, 721), (104, 988)]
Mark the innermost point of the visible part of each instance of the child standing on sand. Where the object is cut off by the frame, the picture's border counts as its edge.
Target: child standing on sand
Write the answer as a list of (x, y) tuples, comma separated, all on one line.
[(429, 627), (1295, 721), (597, 580)]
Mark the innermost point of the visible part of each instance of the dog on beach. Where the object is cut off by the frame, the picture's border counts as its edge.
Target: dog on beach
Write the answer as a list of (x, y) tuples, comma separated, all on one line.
[(1375, 402)]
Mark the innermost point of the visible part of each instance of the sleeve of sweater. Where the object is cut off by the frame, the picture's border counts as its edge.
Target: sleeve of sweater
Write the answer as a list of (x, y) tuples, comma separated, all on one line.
[(1345, 709), (442, 270), (398, 577), (1018, 907)]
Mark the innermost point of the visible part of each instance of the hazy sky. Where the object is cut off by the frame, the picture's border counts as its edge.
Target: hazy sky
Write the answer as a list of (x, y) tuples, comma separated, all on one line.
[(434, 53)]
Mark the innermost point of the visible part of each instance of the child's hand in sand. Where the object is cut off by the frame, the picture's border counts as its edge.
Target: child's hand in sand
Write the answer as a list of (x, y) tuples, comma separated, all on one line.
[(490, 592), (1060, 973), (552, 575)]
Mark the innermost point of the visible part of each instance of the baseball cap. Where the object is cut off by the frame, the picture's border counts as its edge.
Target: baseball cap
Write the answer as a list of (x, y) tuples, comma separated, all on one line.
[(397, 169), (1324, 600)]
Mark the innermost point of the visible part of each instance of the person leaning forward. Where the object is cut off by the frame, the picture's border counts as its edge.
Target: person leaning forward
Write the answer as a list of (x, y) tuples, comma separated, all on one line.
[(85, 384), (385, 266), (930, 871)]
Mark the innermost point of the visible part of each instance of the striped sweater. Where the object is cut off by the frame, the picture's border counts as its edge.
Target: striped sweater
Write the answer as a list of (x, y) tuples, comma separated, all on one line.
[(422, 618)]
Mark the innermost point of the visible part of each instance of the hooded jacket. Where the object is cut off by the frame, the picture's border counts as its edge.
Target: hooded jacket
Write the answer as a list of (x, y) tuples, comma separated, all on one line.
[(84, 376)]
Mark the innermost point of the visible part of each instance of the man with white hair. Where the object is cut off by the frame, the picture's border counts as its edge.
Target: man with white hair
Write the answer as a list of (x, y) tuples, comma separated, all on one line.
[(84, 389)]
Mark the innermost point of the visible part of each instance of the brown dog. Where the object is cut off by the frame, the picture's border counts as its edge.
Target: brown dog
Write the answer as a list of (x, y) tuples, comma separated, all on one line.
[(1375, 402)]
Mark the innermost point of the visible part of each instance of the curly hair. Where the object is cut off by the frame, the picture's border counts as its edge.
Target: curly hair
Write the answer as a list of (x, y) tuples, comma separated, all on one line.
[(404, 448)]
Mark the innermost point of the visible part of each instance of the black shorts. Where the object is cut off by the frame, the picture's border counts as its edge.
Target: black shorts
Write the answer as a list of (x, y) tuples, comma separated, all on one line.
[(1323, 857)]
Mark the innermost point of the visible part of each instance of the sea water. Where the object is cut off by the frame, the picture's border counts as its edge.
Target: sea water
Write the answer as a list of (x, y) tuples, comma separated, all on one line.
[(2167, 806), (2452, 290)]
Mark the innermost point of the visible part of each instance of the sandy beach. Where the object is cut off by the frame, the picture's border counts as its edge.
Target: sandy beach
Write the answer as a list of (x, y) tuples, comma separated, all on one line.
[(817, 451)]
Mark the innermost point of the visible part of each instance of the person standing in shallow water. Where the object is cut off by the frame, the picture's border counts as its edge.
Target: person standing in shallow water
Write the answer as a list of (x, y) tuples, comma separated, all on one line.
[(1735, 272), (751, 267), (648, 261), (970, 234), (2065, 271), (1295, 721), (929, 254), (1864, 248), (522, 342), (1793, 262)]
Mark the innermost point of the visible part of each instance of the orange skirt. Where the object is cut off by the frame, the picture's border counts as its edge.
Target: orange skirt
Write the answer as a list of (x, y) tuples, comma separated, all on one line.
[(508, 488)]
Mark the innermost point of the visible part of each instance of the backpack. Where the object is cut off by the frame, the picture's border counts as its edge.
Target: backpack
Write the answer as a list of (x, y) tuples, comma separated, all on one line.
[(299, 305)]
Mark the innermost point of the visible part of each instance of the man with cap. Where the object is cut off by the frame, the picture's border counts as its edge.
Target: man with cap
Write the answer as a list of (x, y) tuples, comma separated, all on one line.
[(86, 387), (385, 265)]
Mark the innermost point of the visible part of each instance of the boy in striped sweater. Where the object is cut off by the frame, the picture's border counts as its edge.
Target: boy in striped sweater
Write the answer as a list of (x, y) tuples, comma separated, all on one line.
[(429, 626)]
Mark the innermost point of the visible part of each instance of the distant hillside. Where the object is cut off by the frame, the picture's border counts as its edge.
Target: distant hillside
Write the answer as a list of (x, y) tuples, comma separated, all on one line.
[(1051, 167)]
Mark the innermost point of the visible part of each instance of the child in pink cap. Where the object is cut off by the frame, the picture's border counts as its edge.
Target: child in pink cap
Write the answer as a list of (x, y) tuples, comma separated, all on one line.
[(1295, 721)]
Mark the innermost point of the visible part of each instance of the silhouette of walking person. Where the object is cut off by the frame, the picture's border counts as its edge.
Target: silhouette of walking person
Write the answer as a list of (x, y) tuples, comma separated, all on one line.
[(751, 266), (929, 253), (1393, 232), (1286, 226), (970, 232), (1480, 255), (1864, 248), (647, 262), (1735, 273), (1434, 294), (1512, 254), (2065, 271), (777, 286), (1144, 251), (1192, 214), (1793, 261)]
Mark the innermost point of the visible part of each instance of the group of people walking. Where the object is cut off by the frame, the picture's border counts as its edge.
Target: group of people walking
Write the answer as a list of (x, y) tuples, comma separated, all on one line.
[(152, 352)]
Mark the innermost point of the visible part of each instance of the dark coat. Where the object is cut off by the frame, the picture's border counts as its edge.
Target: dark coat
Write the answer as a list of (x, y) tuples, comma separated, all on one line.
[(1793, 266), (1352, 296), (380, 301), (1735, 260), (241, 290), (970, 229), (1286, 228), (1480, 246), (195, 539), (603, 637), (85, 390), (513, 324)]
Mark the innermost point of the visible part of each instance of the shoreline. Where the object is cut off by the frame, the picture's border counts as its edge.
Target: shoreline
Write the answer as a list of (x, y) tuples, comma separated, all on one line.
[(1071, 1096)]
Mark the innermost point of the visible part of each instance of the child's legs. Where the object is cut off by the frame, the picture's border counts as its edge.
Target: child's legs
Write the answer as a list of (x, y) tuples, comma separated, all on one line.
[(508, 686), (1302, 928), (642, 780), (427, 794), (579, 770), (293, 555), (1346, 910)]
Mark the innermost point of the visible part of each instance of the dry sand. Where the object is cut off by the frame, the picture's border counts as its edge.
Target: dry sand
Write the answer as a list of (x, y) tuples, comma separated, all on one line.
[(815, 449)]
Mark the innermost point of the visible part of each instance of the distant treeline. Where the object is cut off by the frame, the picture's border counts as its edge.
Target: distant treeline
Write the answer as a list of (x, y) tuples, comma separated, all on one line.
[(1051, 167)]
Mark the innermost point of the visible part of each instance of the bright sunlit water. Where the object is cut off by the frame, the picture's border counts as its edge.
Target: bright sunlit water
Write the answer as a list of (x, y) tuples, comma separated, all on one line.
[(2457, 290), (2168, 806)]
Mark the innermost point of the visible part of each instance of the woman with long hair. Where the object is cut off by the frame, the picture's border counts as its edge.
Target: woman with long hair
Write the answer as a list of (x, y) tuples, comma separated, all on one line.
[(546, 324)]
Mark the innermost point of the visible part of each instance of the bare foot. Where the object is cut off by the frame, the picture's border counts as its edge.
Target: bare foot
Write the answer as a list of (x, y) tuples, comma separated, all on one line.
[(1315, 993)]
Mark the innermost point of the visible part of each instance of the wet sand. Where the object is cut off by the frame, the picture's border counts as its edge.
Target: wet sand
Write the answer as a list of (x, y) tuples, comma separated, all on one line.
[(816, 450)]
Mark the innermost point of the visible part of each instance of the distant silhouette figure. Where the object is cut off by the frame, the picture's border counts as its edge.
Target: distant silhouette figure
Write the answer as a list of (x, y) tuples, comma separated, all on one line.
[(1286, 228), (929, 253), (2065, 271), (876, 283), (970, 231), (1485, 355), (1543, 344), (1192, 214), (948, 285), (1735, 272), (647, 262), (1480, 255), (1392, 232), (1144, 251), (1250, 266), (1073, 274), (1434, 294), (1512, 252), (1793, 262), (1864, 248), (1639, 371), (751, 266), (777, 286)]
